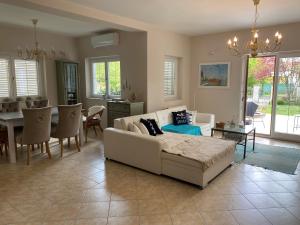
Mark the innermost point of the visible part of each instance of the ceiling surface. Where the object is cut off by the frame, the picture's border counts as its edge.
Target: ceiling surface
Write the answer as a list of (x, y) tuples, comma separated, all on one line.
[(14, 15), (194, 17)]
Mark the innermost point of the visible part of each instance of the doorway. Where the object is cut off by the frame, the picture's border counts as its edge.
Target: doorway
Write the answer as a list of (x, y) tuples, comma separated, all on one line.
[(272, 93)]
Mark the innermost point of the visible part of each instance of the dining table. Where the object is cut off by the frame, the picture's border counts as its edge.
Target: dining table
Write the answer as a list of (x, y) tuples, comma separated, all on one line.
[(15, 119)]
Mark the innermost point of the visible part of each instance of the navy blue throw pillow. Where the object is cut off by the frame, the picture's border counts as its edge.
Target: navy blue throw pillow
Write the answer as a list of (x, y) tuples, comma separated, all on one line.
[(155, 126), (149, 127), (180, 118)]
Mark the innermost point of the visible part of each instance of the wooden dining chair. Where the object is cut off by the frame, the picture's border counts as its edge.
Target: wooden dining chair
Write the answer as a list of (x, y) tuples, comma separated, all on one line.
[(69, 118), (37, 127), (92, 119)]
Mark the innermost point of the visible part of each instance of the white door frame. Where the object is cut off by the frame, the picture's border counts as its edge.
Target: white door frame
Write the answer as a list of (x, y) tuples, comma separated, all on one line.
[(273, 133)]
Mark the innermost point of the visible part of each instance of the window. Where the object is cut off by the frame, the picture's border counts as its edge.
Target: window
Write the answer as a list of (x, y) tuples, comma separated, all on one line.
[(106, 77), (20, 81), (170, 76), (4, 78), (26, 74)]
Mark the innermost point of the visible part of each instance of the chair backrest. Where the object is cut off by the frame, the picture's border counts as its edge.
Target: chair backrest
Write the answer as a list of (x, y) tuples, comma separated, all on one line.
[(28, 103), (69, 120), (10, 106), (251, 108), (96, 111), (40, 103), (37, 125)]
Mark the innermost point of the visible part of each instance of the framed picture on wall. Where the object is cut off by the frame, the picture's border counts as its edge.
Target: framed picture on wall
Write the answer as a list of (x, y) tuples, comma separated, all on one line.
[(214, 75)]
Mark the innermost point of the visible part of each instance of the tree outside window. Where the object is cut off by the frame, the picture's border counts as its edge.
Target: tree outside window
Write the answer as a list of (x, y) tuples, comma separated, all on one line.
[(106, 77)]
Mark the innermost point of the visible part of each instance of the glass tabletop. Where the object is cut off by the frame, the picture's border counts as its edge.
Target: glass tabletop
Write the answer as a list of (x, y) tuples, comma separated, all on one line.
[(241, 130)]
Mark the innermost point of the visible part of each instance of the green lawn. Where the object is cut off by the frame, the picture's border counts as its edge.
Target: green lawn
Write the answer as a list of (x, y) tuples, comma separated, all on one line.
[(283, 109)]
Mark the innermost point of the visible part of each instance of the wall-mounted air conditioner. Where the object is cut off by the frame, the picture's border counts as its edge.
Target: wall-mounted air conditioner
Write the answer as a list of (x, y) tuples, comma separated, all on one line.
[(105, 40)]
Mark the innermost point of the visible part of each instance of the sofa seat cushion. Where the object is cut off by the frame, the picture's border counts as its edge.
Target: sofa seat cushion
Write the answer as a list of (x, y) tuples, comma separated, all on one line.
[(204, 150), (180, 159), (183, 129)]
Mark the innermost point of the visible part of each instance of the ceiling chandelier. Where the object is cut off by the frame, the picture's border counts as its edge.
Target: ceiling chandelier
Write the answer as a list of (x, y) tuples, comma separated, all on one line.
[(255, 45), (36, 52)]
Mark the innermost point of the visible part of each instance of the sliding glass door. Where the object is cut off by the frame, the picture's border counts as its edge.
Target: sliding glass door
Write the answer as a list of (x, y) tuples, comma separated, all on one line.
[(287, 107), (273, 95), (260, 82)]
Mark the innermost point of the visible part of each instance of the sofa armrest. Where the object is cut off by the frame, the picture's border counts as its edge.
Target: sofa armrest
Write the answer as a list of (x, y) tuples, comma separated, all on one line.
[(142, 151), (206, 118)]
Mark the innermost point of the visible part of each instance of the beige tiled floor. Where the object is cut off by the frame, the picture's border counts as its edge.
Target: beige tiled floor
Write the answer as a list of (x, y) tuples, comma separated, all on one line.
[(84, 189)]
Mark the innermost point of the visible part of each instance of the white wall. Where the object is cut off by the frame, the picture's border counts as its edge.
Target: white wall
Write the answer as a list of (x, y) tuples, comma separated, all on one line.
[(142, 62), (161, 44), (225, 103), (132, 51), (13, 36)]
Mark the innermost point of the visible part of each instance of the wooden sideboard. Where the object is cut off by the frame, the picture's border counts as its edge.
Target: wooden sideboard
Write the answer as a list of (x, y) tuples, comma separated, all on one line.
[(117, 110)]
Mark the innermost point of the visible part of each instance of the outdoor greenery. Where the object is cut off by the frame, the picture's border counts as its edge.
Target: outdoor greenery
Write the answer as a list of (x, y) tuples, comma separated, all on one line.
[(261, 74), (113, 77), (283, 109), (99, 78)]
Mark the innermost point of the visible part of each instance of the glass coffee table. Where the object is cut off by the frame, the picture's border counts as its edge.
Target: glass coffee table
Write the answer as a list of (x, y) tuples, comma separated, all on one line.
[(240, 135)]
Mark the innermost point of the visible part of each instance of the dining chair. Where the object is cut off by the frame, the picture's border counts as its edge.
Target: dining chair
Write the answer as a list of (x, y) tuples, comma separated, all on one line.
[(40, 103), (28, 103), (92, 118), (69, 118), (3, 142), (11, 106), (37, 127)]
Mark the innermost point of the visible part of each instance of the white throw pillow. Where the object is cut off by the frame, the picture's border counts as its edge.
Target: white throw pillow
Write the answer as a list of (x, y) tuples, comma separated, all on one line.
[(134, 128), (142, 127), (123, 124), (193, 114)]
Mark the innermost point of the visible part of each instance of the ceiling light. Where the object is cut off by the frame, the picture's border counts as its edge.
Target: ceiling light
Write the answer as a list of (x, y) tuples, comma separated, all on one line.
[(255, 45)]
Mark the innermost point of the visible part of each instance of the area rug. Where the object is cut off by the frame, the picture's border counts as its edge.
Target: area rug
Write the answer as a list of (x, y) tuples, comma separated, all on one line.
[(275, 158)]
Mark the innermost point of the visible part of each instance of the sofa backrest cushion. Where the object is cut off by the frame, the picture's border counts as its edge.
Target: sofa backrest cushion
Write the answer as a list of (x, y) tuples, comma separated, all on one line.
[(134, 128), (126, 120), (165, 116), (141, 127)]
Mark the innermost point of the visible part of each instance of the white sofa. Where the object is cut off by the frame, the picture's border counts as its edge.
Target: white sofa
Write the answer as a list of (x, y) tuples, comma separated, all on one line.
[(147, 152)]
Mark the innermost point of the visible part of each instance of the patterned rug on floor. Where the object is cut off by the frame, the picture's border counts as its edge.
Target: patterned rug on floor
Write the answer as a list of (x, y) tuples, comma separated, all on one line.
[(270, 157)]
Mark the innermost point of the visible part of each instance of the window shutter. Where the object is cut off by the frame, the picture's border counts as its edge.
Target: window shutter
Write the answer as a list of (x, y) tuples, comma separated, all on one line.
[(170, 81), (4, 78), (26, 72)]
